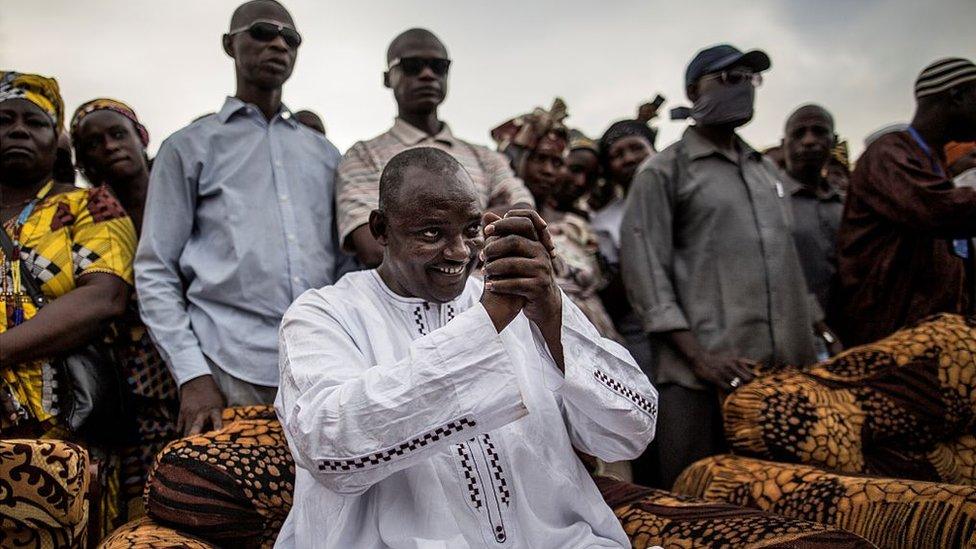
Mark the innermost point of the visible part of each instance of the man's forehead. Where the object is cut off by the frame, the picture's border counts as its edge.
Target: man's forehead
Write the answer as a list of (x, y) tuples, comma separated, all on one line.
[(423, 189), (262, 10), (421, 45), (810, 119)]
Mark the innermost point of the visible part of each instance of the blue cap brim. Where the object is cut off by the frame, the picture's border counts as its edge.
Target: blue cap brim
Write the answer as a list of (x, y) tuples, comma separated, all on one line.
[(757, 60)]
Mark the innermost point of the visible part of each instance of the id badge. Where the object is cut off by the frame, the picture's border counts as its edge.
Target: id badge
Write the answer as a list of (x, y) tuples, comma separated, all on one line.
[(960, 247)]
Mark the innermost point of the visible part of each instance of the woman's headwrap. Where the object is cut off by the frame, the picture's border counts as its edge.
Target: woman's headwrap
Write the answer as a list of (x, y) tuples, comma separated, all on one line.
[(37, 89), (840, 154), (107, 104), (518, 137), (621, 129), (578, 140)]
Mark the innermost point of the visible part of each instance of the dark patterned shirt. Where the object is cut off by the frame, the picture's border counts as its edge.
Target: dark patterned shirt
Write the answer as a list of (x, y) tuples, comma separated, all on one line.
[(895, 253)]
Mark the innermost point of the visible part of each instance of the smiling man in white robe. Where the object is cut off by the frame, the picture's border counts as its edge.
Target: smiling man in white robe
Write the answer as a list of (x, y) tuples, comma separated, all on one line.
[(427, 409)]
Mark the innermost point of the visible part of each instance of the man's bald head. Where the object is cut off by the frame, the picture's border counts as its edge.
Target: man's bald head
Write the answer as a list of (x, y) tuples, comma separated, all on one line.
[(443, 177), (807, 141), (248, 12), (414, 39), (429, 224), (810, 111)]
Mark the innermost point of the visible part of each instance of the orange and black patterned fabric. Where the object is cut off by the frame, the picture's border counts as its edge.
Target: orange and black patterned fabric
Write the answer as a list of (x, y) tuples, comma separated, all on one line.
[(902, 407), (232, 486), (43, 490), (143, 533), (657, 518), (892, 513)]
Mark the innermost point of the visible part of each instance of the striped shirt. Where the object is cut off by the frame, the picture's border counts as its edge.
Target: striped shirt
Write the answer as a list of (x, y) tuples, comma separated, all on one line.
[(358, 184)]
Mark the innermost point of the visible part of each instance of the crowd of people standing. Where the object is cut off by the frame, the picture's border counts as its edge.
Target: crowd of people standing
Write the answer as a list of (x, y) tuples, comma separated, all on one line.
[(709, 261)]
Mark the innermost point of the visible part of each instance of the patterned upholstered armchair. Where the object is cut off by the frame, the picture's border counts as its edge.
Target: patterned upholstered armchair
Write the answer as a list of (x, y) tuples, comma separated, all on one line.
[(878, 440), (232, 488), (43, 494), (904, 407)]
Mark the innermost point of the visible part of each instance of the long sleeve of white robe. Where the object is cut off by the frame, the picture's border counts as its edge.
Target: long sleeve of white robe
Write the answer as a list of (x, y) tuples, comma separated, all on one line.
[(609, 406), (352, 424)]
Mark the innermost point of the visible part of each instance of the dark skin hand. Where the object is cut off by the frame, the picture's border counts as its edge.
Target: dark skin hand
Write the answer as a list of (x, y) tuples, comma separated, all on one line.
[(716, 369), (67, 322), (518, 269), (201, 404)]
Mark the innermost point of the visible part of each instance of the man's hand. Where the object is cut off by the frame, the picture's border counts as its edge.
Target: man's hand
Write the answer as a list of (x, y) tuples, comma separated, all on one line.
[(501, 308), (201, 403), (518, 251), (727, 373)]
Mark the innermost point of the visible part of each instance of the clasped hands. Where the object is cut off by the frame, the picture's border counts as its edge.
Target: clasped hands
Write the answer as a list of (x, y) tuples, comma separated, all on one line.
[(518, 271)]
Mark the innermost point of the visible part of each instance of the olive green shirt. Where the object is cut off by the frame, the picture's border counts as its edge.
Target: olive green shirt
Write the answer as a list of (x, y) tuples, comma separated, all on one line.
[(706, 246)]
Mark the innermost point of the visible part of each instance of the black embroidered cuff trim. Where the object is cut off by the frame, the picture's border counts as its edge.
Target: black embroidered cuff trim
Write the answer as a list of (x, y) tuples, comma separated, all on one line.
[(642, 403), (332, 465)]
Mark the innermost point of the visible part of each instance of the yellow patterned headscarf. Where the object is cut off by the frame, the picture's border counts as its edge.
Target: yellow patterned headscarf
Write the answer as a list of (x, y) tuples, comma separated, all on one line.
[(37, 89), (841, 155)]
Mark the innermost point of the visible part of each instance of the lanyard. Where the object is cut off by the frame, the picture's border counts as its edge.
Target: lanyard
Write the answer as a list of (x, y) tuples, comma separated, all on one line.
[(13, 263), (928, 151), (960, 246)]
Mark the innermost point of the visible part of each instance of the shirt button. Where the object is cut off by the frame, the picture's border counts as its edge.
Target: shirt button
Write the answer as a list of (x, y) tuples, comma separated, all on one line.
[(291, 238), (283, 197), (295, 279), (277, 163)]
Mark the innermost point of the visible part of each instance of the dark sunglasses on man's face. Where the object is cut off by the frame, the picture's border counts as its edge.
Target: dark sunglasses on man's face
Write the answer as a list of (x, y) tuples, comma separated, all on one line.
[(737, 76), (266, 31), (412, 66)]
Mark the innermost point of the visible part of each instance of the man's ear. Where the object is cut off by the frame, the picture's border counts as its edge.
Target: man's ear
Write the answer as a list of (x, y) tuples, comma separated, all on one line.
[(378, 226), (386, 79), (228, 43)]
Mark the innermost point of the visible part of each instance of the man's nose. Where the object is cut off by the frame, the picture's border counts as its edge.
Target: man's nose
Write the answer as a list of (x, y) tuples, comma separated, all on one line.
[(427, 73), (279, 43), (457, 249)]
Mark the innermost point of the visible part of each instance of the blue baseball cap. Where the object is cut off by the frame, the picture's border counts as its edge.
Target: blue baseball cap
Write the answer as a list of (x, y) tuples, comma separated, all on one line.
[(723, 56)]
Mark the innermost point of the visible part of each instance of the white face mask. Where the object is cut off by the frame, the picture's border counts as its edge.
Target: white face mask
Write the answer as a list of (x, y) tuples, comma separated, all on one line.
[(966, 179)]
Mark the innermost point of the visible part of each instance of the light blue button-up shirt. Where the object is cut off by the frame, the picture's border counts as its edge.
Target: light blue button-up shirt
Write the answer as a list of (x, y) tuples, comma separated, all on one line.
[(239, 222)]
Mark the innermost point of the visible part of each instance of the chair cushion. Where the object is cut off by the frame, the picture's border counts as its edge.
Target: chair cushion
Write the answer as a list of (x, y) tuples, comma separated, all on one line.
[(889, 512), (232, 486), (893, 408), (43, 489), (143, 533), (656, 518)]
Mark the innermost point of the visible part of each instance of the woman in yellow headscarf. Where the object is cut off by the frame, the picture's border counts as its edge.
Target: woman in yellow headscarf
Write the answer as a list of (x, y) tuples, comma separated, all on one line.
[(77, 244)]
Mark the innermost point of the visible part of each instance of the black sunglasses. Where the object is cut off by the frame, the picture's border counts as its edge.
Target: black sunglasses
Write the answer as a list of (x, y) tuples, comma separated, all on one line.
[(266, 31), (412, 66)]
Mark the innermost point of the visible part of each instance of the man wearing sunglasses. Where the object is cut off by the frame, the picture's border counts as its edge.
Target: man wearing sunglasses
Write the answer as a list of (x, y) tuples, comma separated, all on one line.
[(239, 222), (417, 69), (709, 261)]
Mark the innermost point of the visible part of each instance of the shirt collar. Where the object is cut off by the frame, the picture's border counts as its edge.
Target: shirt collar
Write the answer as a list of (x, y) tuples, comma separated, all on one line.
[(410, 136), (699, 147), (795, 188), (233, 105)]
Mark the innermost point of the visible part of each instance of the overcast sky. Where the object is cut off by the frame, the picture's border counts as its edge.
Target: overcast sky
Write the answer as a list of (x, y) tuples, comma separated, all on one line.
[(859, 58)]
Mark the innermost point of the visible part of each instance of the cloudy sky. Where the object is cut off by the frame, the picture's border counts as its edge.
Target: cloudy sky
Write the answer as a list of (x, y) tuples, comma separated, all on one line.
[(858, 58)]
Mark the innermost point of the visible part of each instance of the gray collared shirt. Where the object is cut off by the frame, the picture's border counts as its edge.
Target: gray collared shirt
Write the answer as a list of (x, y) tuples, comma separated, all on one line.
[(706, 246), (816, 219), (239, 222)]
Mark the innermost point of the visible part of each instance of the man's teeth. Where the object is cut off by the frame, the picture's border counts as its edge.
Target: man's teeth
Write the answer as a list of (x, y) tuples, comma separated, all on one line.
[(450, 270)]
